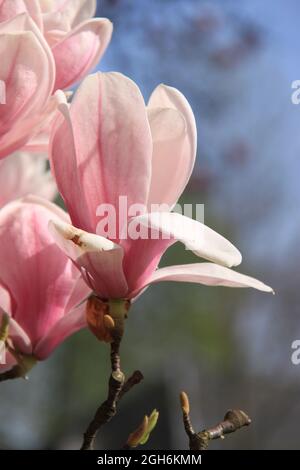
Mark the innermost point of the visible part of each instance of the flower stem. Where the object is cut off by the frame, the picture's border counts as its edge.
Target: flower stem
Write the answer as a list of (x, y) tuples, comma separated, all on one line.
[(107, 409), (117, 386)]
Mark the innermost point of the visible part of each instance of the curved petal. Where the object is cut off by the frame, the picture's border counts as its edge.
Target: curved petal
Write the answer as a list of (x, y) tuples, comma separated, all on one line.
[(10, 361), (11, 8), (2, 352), (5, 301), (171, 164), (40, 201), (102, 149), (99, 259), (40, 135), (78, 295), (19, 337), (168, 129), (28, 73), (141, 259), (80, 51), (197, 237), (37, 275), (209, 274), (65, 327), (63, 159), (65, 14)]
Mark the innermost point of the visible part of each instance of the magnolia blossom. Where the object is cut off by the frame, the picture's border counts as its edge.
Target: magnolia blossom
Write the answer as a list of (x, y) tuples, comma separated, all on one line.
[(77, 41), (41, 290), (107, 144), (25, 173), (27, 73)]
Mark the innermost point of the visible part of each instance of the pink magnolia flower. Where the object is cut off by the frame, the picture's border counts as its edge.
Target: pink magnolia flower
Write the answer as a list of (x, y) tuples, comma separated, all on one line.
[(40, 288), (107, 144), (77, 40), (27, 74), (25, 173)]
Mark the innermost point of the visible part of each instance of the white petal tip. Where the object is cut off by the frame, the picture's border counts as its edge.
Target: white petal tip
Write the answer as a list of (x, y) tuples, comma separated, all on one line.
[(264, 288), (237, 257), (84, 240)]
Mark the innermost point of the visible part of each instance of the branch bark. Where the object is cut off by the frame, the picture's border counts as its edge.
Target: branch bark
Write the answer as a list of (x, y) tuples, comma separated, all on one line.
[(14, 373), (233, 421), (117, 386)]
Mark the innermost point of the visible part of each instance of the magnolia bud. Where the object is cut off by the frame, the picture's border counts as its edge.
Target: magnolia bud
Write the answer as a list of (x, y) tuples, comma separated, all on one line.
[(135, 438), (152, 421), (185, 404), (108, 322)]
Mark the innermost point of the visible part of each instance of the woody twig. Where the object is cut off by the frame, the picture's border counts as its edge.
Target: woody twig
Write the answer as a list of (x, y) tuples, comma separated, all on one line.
[(233, 421), (106, 320)]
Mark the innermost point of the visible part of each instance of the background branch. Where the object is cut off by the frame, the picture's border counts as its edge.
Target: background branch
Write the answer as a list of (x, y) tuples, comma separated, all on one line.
[(233, 421)]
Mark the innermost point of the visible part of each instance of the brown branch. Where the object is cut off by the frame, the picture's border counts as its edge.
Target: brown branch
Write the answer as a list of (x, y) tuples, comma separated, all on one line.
[(104, 413), (108, 408), (14, 373), (233, 421), (117, 387), (106, 319), (19, 370), (133, 380)]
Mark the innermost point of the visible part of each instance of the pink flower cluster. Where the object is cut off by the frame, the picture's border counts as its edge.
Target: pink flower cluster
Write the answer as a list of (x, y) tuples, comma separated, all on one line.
[(105, 144)]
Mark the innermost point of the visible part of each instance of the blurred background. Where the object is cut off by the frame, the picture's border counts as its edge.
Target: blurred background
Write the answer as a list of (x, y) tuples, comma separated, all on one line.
[(235, 61)]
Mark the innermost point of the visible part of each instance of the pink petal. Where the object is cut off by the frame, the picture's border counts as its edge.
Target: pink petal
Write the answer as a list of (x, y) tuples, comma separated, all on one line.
[(99, 259), (142, 256), (10, 362), (168, 128), (64, 167), (208, 274), (39, 278), (11, 8), (197, 237), (79, 294), (66, 14), (28, 73), (172, 166), (20, 338), (141, 259), (40, 134), (34, 10), (5, 301), (74, 321), (103, 148), (25, 173), (80, 51)]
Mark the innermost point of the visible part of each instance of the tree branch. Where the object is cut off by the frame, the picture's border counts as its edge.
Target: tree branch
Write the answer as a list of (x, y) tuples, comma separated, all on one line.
[(14, 373), (117, 387), (108, 408), (233, 421), (133, 380)]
